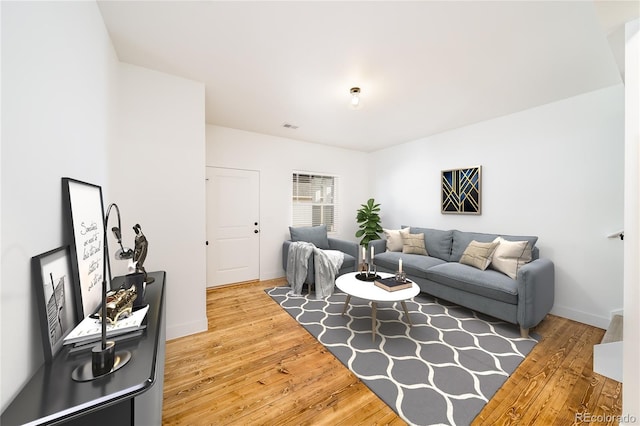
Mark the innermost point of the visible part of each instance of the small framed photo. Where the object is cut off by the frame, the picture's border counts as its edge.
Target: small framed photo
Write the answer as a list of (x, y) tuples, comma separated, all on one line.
[(55, 293), (461, 190)]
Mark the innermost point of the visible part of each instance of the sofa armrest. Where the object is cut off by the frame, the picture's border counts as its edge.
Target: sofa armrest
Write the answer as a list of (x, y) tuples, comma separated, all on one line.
[(379, 246), (536, 291), (285, 253), (348, 247)]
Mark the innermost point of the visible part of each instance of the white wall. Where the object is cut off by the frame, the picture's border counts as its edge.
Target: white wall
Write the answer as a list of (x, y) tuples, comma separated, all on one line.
[(631, 338), (555, 171), (276, 158), (157, 178), (58, 76), (71, 109)]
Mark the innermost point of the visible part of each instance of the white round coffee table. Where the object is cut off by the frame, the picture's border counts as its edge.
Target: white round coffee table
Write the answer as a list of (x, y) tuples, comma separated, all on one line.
[(367, 290)]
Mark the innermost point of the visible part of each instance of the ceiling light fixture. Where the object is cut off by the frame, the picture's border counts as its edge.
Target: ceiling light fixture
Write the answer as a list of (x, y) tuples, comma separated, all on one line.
[(355, 97)]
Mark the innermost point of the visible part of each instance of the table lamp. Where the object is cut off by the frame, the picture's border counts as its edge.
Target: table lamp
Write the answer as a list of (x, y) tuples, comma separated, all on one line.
[(104, 358)]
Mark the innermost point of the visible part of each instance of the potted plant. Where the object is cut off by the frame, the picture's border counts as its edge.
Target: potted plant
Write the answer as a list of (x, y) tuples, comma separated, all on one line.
[(368, 219)]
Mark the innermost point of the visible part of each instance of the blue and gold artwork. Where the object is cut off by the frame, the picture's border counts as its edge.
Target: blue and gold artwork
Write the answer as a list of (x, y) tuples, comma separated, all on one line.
[(461, 190)]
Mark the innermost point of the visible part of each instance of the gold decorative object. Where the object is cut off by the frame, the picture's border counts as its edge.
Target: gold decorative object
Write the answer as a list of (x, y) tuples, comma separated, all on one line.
[(120, 304)]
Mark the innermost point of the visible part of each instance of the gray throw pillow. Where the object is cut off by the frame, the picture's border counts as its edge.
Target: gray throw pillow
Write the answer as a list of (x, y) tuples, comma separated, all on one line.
[(317, 235), (436, 242)]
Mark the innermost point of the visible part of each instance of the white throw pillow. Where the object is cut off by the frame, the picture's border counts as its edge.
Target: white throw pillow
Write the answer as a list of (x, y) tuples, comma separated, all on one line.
[(510, 256), (394, 238)]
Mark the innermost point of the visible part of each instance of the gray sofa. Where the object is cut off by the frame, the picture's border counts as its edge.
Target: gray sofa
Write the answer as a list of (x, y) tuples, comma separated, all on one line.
[(318, 236), (523, 301)]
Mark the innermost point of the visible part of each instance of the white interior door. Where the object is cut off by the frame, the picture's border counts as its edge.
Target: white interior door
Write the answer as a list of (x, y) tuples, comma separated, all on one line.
[(233, 228)]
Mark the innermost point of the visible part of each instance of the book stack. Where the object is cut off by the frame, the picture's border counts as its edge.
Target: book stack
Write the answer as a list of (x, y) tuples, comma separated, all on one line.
[(390, 284), (90, 329)]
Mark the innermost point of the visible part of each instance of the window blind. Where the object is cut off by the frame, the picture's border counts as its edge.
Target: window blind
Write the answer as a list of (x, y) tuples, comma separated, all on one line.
[(314, 200)]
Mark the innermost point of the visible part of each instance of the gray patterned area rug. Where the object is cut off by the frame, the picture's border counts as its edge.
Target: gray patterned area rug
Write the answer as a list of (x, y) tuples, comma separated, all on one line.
[(442, 370)]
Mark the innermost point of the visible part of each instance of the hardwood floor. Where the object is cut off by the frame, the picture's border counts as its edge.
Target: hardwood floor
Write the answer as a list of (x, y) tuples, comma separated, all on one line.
[(256, 365)]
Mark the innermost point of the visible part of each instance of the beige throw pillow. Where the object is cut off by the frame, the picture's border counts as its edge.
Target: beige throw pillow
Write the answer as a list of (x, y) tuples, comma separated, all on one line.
[(394, 238), (510, 256), (414, 244), (478, 254)]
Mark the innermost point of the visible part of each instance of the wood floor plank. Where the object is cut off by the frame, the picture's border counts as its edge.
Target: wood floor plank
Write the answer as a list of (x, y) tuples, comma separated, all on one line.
[(609, 403), (270, 370), (299, 390), (565, 381), (256, 365), (523, 388)]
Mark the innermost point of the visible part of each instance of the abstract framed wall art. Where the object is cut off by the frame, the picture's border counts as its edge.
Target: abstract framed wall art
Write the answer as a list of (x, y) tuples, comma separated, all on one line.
[(461, 189), (84, 229), (55, 292)]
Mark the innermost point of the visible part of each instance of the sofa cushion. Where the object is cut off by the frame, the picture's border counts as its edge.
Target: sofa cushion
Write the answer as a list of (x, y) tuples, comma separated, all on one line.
[(489, 283), (311, 234), (462, 239), (414, 244), (478, 254), (414, 265), (510, 256), (394, 238), (437, 242)]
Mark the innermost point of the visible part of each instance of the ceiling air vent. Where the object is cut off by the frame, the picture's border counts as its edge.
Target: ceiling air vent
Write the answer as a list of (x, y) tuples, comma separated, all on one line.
[(289, 126)]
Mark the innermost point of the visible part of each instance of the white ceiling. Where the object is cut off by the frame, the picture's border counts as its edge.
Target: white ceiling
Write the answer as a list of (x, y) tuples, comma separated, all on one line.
[(423, 67)]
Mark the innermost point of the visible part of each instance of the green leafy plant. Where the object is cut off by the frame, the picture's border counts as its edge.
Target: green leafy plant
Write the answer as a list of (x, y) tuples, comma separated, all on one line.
[(368, 219)]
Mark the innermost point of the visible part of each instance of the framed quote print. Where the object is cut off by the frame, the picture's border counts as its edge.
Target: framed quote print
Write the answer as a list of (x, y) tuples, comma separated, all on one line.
[(84, 223)]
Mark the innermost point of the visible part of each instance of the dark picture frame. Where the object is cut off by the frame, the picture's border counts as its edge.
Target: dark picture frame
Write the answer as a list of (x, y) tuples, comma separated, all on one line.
[(461, 191), (55, 292), (83, 213)]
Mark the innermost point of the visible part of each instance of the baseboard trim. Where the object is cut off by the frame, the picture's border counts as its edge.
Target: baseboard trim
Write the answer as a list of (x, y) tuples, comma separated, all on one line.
[(583, 317), (186, 329), (617, 312)]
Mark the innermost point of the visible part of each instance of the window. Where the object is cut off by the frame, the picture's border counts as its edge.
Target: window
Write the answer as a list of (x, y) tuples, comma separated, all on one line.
[(314, 200)]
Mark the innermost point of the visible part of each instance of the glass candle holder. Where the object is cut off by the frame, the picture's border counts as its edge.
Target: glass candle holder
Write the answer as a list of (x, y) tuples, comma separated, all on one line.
[(372, 270), (401, 276), (364, 267)]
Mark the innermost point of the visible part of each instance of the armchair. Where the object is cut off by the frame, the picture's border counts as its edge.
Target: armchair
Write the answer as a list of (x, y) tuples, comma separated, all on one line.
[(318, 236)]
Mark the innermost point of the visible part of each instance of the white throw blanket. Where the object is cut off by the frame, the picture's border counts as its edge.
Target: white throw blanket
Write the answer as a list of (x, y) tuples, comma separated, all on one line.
[(327, 264), (297, 261)]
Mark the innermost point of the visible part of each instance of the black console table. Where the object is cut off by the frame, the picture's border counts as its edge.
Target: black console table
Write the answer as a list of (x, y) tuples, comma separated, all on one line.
[(131, 395)]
